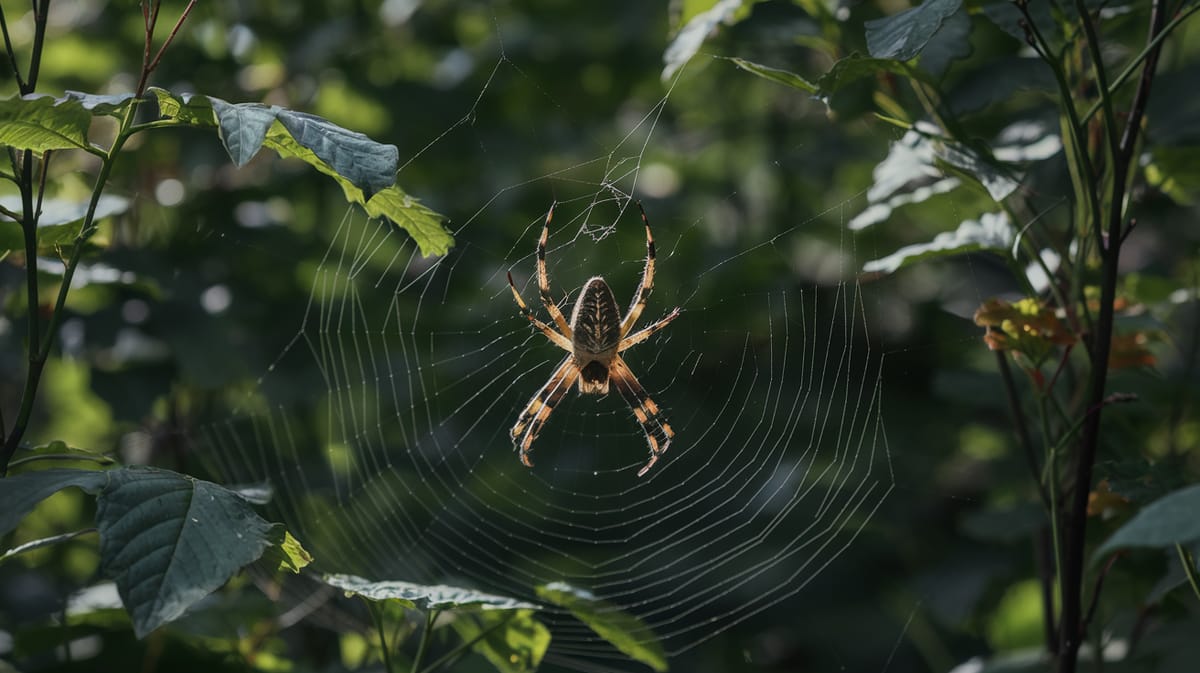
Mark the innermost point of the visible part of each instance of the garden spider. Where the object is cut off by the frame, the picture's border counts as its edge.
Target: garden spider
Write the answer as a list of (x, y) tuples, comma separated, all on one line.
[(594, 341)]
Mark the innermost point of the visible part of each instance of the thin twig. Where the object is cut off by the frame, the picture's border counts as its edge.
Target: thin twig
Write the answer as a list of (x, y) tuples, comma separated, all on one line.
[(1076, 523), (1019, 424), (12, 54)]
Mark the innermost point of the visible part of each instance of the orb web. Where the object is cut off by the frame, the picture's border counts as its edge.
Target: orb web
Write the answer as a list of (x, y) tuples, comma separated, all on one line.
[(401, 466)]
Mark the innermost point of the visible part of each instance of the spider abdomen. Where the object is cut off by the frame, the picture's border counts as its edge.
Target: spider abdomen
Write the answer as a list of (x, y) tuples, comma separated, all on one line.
[(596, 331)]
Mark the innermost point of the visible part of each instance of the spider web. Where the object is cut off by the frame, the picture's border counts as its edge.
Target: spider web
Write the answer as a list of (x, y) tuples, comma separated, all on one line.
[(402, 467)]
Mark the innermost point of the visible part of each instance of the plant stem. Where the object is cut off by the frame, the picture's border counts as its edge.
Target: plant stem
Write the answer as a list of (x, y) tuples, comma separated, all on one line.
[(1021, 428), (1076, 521), (40, 12), (426, 636), (461, 649), (377, 617), (1189, 568)]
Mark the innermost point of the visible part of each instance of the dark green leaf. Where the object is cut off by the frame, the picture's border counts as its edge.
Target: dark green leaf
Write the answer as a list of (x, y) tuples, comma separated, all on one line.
[(689, 38), (424, 597), (997, 82), (950, 43), (41, 123), (627, 633), (43, 542), (243, 127), (168, 540), (20, 493), (112, 105), (514, 642), (776, 75), (992, 231), (997, 180), (1008, 18), (855, 67), (368, 165), (902, 36), (1163, 523)]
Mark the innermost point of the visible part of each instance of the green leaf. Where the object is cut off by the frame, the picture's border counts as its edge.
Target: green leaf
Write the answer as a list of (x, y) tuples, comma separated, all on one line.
[(513, 641), (365, 169), (689, 38), (950, 43), (287, 552), (776, 75), (113, 105), (41, 123), (627, 633), (856, 66), (366, 164), (60, 221), (1163, 523), (992, 231), (422, 223), (243, 127), (43, 542), (168, 540), (20, 493), (424, 597), (902, 36)]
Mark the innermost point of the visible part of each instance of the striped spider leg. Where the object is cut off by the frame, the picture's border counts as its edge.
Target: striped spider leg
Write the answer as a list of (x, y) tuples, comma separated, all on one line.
[(594, 338)]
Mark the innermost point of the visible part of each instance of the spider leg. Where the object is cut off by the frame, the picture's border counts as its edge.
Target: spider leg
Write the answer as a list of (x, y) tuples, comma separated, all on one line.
[(534, 415), (559, 340), (647, 331), (544, 279), (658, 431), (647, 282)]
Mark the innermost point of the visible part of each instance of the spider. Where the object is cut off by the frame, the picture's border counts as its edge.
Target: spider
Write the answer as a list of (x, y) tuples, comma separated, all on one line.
[(594, 340)]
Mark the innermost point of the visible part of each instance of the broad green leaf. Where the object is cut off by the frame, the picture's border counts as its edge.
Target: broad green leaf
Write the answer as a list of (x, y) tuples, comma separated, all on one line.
[(689, 38), (513, 641), (950, 43), (995, 179), (243, 127), (997, 82), (625, 632), (20, 493), (902, 36), (113, 105), (424, 596), (368, 165), (59, 222), (776, 75), (1007, 17), (168, 540), (41, 123), (422, 223), (992, 231), (365, 169), (1163, 523)]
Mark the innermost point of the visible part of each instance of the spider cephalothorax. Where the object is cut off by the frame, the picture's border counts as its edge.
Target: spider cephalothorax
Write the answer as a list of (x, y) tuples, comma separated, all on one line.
[(595, 338)]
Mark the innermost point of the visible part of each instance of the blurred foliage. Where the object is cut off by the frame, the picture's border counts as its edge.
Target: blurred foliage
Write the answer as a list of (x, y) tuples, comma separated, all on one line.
[(190, 294)]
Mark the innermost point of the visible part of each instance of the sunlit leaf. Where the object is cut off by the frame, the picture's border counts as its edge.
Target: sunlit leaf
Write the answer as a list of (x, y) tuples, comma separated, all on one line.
[(20, 493), (287, 552), (41, 123), (1163, 523), (626, 632), (689, 38), (776, 75), (902, 36), (422, 223), (365, 169), (992, 231), (424, 596), (168, 540), (514, 642)]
